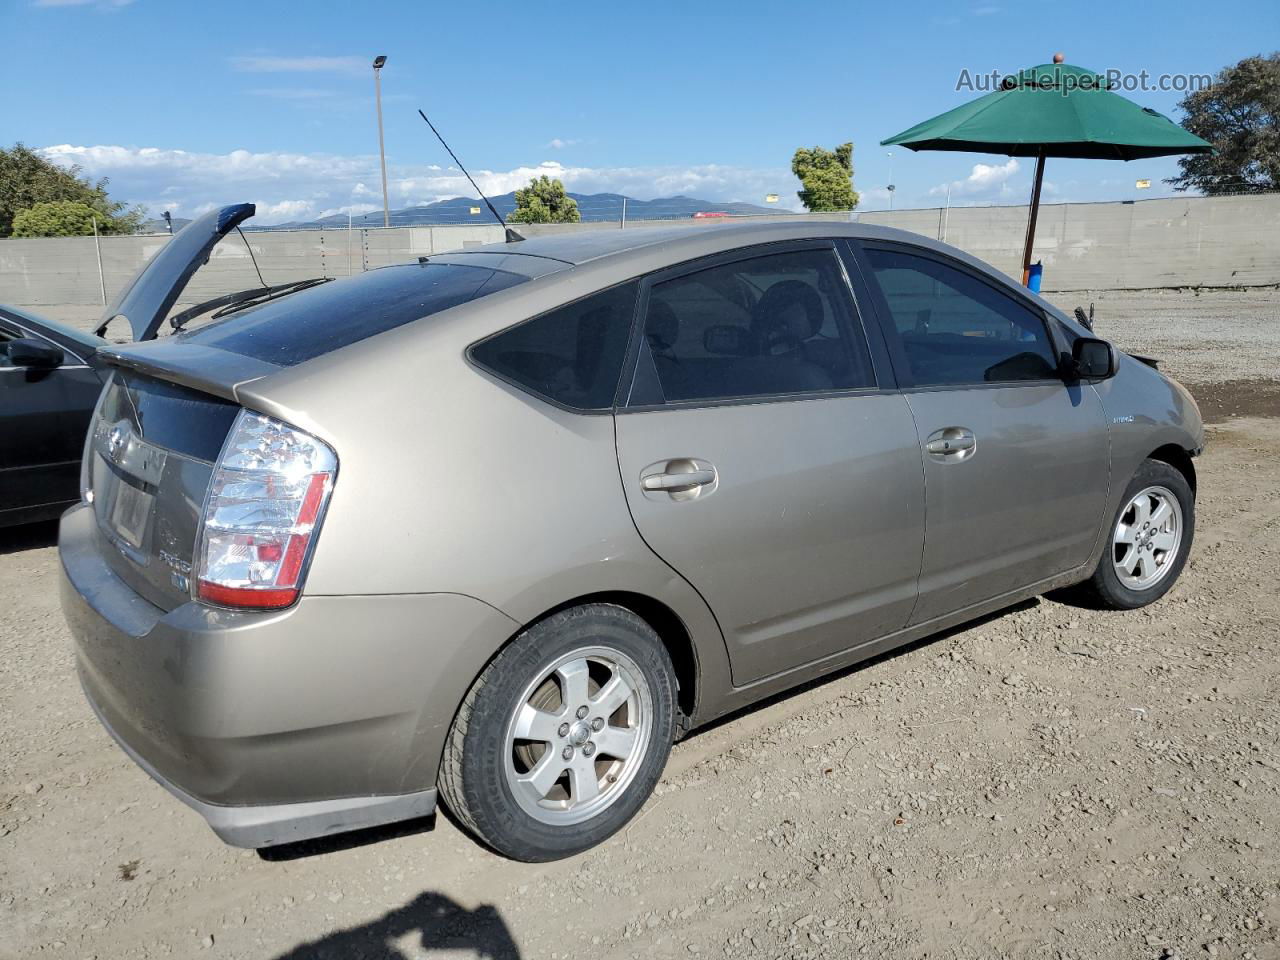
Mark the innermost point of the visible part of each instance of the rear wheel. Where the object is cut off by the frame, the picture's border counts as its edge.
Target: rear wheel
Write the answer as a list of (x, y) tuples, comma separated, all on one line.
[(1148, 540), (563, 736)]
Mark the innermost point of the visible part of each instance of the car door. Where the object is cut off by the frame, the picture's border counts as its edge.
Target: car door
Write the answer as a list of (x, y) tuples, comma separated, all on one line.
[(762, 461), (44, 416), (1015, 459)]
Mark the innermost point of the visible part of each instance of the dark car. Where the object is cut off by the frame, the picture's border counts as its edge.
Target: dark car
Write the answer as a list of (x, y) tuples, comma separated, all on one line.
[(49, 383), (50, 375)]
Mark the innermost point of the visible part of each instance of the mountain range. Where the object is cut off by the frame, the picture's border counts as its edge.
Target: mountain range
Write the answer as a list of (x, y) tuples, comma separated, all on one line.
[(595, 206)]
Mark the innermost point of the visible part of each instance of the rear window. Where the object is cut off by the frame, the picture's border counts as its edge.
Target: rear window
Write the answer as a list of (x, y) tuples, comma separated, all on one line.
[(572, 355), (314, 322), (166, 415)]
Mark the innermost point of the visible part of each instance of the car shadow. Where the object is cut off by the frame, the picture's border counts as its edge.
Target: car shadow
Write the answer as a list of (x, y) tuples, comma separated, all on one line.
[(432, 921), (28, 536), (837, 675)]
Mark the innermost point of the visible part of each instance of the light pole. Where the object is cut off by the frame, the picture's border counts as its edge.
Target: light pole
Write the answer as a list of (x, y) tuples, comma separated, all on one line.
[(378, 63)]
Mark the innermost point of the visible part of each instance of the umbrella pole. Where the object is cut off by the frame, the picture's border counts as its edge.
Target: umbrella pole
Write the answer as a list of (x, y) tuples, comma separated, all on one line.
[(1031, 221)]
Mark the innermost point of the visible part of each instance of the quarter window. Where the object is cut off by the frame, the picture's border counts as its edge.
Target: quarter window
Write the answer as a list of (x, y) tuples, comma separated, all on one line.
[(572, 355), (777, 324), (955, 329)]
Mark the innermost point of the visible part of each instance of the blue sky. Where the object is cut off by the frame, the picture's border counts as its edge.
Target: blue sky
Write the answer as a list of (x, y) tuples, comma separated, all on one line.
[(184, 105)]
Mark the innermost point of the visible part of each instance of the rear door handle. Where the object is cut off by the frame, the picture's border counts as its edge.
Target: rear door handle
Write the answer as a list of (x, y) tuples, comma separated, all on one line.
[(678, 481), (681, 478), (951, 443)]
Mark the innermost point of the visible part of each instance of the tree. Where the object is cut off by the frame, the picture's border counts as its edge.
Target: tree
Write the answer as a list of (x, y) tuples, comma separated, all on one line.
[(827, 177), (28, 179), (1239, 113), (56, 218), (544, 201)]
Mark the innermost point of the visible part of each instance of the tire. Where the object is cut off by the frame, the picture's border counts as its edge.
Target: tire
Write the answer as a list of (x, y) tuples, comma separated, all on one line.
[(515, 729), (1113, 589)]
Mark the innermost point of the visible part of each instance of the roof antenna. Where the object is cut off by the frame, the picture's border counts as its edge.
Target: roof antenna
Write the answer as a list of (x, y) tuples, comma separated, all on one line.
[(512, 236)]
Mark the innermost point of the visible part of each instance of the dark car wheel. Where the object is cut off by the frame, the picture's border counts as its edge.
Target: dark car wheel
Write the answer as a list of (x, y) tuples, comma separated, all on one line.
[(1148, 540), (563, 736)]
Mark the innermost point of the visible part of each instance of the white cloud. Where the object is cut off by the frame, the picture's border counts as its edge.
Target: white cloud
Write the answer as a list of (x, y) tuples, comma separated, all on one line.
[(300, 64), (556, 143), (295, 186), (986, 180), (285, 210)]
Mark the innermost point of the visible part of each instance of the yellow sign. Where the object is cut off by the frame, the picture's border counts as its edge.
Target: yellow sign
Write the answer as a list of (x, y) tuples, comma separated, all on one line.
[(475, 211), (1143, 184), (771, 198)]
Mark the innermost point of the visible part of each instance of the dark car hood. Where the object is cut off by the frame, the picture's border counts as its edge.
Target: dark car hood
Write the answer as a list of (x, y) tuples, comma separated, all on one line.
[(154, 289)]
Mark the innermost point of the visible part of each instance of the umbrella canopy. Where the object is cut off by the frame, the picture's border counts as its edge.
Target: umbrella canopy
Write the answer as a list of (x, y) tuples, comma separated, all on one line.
[(1053, 110), (1062, 110)]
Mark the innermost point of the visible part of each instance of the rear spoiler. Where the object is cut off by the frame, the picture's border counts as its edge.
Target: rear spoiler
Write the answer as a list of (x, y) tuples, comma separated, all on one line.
[(202, 368)]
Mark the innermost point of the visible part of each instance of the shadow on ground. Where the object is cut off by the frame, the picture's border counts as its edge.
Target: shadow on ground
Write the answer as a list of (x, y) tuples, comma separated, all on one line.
[(428, 922), (28, 536)]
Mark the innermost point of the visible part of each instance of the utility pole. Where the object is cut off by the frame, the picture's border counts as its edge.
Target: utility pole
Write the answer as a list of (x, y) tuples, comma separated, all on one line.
[(97, 246), (946, 216), (624, 213), (378, 63)]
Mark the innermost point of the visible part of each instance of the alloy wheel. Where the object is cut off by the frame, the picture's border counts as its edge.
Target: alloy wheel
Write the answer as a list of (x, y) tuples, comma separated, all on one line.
[(1147, 537), (577, 736)]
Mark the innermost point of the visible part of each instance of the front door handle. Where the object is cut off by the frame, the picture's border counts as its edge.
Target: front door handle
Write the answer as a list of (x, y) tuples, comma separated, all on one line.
[(682, 478), (951, 444)]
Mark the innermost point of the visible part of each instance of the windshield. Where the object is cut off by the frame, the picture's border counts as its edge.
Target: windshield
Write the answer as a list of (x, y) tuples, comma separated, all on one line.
[(38, 323), (321, 319)]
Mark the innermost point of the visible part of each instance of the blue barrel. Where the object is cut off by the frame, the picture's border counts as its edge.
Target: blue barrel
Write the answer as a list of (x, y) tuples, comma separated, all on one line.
[(1033, 276)]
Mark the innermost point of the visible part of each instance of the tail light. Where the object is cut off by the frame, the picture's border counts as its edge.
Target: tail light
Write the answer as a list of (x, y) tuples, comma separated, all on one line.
[(265, 506)]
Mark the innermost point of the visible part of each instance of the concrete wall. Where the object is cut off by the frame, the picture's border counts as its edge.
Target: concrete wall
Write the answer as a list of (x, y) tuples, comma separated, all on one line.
[(1184, 241), (1223, 241), (64, 270)]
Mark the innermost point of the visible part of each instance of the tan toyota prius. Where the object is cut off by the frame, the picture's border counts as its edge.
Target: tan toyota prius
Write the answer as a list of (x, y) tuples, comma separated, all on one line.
[(500, 524)]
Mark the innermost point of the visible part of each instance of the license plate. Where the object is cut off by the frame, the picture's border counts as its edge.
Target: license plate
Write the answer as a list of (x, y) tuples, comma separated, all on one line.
[(129, 514)]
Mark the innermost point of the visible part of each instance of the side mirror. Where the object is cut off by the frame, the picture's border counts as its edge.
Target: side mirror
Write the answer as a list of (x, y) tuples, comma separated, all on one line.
[(34, 354), (1093, 359)]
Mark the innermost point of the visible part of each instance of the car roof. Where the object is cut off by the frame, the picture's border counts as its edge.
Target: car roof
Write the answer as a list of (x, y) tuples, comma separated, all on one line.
[(582, 246), (647, 248), (677, 244)]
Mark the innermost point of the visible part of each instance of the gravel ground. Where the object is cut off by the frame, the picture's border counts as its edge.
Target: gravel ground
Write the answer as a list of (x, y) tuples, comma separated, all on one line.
[(1050, 782)]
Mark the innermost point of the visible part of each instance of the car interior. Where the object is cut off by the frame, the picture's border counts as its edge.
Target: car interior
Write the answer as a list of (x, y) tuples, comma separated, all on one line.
[(725, 333)]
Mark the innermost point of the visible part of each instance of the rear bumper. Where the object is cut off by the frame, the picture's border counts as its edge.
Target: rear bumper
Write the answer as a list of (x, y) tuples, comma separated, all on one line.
[(325, 717), (271, 824)]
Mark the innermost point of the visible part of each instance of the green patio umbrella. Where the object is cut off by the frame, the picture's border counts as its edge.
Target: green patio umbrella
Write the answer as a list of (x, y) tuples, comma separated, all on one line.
[(1053, 110)]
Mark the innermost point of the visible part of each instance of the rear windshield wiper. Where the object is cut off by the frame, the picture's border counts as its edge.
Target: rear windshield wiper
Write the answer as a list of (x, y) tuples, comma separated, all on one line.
[(241, 300)]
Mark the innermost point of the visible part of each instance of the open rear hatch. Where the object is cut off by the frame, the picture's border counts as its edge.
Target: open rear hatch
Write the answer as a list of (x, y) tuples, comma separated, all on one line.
[(154, 289)]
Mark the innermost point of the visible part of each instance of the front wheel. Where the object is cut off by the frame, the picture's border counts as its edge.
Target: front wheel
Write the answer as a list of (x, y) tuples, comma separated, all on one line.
[(563, 736), (1148, 541)]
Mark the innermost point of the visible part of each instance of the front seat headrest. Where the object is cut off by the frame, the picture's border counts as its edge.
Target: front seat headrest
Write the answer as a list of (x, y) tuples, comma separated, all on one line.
[(662, 326), (789, 307)]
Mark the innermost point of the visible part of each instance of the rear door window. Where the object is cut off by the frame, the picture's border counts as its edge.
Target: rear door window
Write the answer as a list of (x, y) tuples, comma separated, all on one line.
[(777, 324), (956, 329), (573, 355)]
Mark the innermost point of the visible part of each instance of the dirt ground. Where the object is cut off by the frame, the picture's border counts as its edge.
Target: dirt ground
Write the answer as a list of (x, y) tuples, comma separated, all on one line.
[(1050, 782)]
